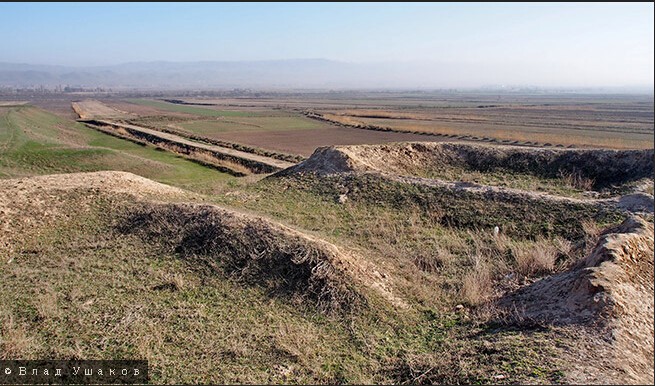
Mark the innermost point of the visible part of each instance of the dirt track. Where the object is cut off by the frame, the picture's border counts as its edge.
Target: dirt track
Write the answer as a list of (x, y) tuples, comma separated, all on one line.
[(274, 163), (268, 163), (100, 116)]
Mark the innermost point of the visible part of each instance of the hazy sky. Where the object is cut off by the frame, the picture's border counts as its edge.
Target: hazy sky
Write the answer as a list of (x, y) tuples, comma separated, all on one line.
[(605, 44)]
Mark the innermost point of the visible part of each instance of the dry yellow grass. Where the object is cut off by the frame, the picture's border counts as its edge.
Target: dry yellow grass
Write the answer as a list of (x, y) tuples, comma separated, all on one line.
[(221, 163), (591, 231), (46, 304), (577, 180), (15, 341), (478, 284), (554, 136), (537, 259), (432, 260)]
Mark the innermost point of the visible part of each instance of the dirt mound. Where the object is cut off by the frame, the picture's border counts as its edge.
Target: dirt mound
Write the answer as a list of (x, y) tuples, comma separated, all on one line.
[(111, 181), (252, 249), (327, 160), (37, 202), (611, 290), (40, 198), (603, 167), (528, 192), (259, 252), (519, 213)]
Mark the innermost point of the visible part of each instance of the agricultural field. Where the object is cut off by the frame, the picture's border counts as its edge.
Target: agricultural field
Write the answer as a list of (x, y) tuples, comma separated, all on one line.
[(440, 260), (264, 127), (299, 125), (569, 120), (624, 123)]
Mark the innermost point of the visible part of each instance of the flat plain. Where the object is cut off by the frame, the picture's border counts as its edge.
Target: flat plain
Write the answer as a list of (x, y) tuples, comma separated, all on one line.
[(613, 121)]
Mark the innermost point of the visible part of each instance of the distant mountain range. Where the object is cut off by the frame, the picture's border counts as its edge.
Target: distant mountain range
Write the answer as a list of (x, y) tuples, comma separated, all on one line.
[(304, 73), (282, 74)]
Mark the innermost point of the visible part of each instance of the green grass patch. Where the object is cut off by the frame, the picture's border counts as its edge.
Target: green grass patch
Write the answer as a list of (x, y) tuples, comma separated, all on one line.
[(419, 244), (207, 127), (201, 111), (34, 142), (508, 179)]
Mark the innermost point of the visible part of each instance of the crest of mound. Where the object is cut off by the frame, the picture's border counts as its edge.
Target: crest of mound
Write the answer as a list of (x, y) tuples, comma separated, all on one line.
[(605, 167), (45, 198), (611, 289), (109, 181)]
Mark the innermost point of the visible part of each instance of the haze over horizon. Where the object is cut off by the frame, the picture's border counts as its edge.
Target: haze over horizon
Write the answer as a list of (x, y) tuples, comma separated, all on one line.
[(353, 45)]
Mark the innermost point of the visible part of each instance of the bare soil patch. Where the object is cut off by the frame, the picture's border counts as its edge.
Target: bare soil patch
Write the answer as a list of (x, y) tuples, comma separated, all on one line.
[(93, 109), (611, 121), (12, 103), (306, 141)]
